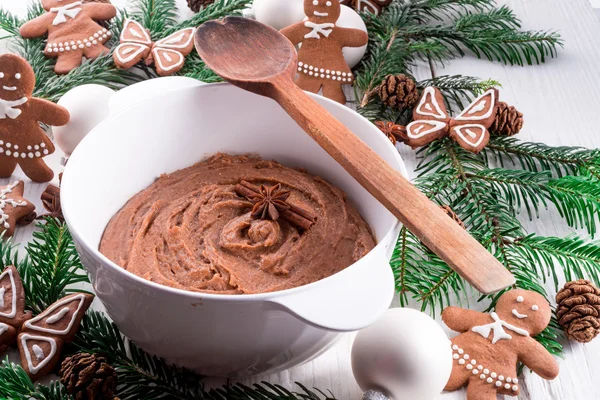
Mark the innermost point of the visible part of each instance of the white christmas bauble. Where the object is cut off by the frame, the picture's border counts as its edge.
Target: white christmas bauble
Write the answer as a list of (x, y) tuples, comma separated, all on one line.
[(279, 13), (88, 106), (405, 354), (350, 19)]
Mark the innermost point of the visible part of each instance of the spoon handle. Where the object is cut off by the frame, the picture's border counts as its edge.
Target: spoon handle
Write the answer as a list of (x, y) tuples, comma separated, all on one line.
[(420, 215)]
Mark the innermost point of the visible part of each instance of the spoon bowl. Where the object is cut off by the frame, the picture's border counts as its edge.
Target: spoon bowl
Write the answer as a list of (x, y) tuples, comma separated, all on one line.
[(230, 46)]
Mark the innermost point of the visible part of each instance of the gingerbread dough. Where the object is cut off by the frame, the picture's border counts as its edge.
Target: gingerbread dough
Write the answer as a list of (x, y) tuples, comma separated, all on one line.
[(72, 31), (22, 141), (321, 62), (490, 346), (191, 230)]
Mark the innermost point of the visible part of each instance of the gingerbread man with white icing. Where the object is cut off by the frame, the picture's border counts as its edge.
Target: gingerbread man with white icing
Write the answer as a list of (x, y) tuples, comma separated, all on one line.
[(490, 346), (73, 32), (22, 141), (321, 63)]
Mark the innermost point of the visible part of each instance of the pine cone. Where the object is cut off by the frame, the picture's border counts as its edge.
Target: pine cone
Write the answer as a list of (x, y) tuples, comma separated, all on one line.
[(578, 310), (508, 122), (398, 91), (196, 5), (88, 377)]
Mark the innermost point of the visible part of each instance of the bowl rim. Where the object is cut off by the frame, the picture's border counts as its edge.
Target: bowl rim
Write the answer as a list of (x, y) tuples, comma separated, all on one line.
[(192, 295)]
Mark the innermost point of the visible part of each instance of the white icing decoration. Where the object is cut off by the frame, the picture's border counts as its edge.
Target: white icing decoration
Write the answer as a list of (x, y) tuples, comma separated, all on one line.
[(469, 367), (135, 33), (470, 134), (4, 218), (141, 34), (509, 380), (518, 314), (320, 14), (515, 388), (7, 107), (501, 378), (168, 57), (428, 98), (58, 316), (29, 324), (455, 356), (498, 383), (482, 376), (493, 375), (38, 352), (520, 299), (466, 114), (419, 132), (461, 361), (535, 307), (53, 348), (17, 76), (466, 356), (507, 386), (70, 10), (127, 54), (479, 107), (318, 29), (498, 329), (9, 88), (489, 380), (3, 328), (159, 54), (2, 292)]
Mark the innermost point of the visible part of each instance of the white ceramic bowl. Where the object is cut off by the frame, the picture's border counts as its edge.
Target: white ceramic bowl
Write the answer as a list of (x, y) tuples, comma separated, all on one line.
[(222, 335)]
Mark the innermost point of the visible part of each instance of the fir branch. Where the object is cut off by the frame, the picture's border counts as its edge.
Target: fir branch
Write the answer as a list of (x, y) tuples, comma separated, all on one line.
[(52, 266), (536, 157), (458, 90), (156, 15), (218, 9), (15, 384)]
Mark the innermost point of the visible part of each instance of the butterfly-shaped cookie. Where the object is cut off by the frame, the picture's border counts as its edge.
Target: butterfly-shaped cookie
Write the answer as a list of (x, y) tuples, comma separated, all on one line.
[(12, 307), (469, 129), (167, 55), (43, 337), (372, 6)]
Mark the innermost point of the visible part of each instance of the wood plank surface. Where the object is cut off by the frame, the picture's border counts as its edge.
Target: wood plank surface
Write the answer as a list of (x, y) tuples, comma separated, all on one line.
[(561, 103)]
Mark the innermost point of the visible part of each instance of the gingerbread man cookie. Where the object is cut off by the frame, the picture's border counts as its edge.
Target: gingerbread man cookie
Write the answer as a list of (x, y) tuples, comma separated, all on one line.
[(73, 32), (22, 141), (490, 346), (12, 307), (13, 207), (321, 62)]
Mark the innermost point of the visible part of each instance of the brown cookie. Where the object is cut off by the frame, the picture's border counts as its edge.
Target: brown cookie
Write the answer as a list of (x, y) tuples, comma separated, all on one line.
[(490, 346), (12, 306), (72, 30), (372, 6), (321, 63), (13, 207), (57, 325), (22, 141)]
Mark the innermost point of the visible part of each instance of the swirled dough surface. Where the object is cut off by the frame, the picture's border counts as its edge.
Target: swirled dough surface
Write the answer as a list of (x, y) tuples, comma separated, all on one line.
[(190, 230)]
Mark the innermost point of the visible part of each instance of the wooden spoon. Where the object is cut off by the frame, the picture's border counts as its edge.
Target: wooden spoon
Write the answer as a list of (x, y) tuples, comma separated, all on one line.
[(261, 60)]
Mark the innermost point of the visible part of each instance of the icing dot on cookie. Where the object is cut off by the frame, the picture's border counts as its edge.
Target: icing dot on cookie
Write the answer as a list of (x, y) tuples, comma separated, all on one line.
[(16, 154), (311, 67), (45, 151), (8, 152), (473, 362), (469, 367), (493, 374), (466, 356), (461, 361), (498, 383), (37, 154), (480, 367), (43, 144), (23, 155), (482, 376), (328, 4), (30, 155), (520, 299), (29, 147), (515, 388), (515, 380), (315, 2), (36, 147), (8, 145), (1, 75), (501, 378), (300, 64), (507, 386), (17, 76), (460, 351), (455, 356), (535, 307), (1, 150), (489, 380), (322, 76), (16, 147), (475, 372), (509, 380), (455, 347)]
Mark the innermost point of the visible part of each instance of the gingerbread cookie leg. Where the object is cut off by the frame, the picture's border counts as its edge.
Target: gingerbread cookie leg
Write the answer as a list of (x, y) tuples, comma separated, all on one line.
[(7, 166), (334, 92), (309, 83), (95, 51), (36, 170), (477, 390), (459, 378), (68, 61)]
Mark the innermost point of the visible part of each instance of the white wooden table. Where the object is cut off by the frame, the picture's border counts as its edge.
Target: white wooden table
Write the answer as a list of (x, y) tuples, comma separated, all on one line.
[(561, 103)]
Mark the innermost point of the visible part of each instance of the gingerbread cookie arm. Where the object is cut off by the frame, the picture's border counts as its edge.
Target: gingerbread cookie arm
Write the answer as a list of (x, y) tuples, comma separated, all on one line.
[(295, 33), (36, 27), (349, 37), (49, 113), (461, 320), (537, 359), (100, 11)]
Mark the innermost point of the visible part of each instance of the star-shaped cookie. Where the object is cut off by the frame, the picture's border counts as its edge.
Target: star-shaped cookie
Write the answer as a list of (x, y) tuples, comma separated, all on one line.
[(13, 206)]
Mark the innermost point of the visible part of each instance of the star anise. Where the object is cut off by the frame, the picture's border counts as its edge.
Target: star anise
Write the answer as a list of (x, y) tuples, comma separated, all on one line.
[(392, 131), (271, 202)]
